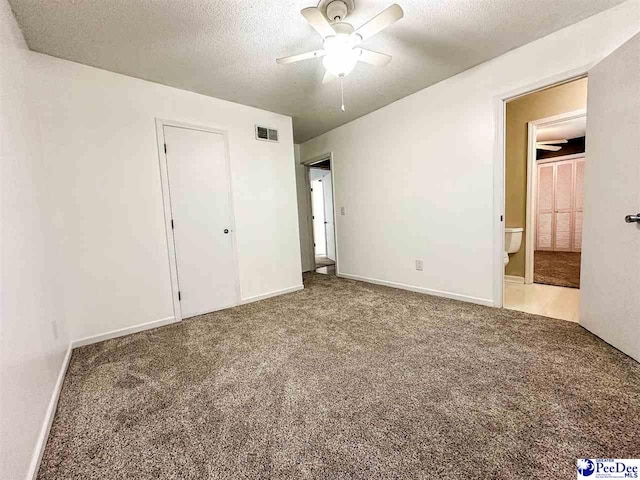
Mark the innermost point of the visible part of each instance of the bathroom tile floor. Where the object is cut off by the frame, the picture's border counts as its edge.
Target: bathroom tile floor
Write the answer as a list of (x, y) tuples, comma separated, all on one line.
[(547, 300)]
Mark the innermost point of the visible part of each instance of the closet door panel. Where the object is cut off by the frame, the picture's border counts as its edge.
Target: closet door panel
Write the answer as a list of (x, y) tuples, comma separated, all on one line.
[(579, 190), (578, 205), (563, 239), (544, 221), (577, 233), (564, 185), (545, 231), (563, 200)]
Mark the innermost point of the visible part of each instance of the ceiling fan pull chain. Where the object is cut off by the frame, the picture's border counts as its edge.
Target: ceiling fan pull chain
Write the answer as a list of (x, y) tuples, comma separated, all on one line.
[(342, 92)]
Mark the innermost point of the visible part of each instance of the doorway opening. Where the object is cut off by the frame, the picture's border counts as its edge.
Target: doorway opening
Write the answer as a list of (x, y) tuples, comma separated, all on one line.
[(545, 133), (557, 177), (323, 224)]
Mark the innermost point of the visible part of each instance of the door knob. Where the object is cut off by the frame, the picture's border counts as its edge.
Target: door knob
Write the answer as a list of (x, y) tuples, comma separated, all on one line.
[(226, 230), (632, 218)]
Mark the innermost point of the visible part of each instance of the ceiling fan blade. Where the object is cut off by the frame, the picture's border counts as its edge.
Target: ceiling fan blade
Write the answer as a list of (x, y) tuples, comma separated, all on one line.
[(301, 56), (318, 21), (551, 142), (549, 148), (328, 77), (374, 58), (380, 21)]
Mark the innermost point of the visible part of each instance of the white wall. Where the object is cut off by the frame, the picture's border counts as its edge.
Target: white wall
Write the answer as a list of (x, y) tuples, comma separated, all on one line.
[(33, 333), (417, 177), (84, 250), (99, 132)]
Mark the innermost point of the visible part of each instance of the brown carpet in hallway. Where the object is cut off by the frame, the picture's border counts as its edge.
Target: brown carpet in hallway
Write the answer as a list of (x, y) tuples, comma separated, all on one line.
[(557, 268), (324, 261), (346, 380)]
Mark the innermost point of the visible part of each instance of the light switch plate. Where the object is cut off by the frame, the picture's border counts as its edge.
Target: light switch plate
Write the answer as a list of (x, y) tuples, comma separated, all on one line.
[(343, 211)]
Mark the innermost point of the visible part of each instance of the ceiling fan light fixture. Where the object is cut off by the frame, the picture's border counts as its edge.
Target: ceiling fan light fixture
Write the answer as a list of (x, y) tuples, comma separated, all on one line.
[(342, 63), (342, 54), (341, 45)]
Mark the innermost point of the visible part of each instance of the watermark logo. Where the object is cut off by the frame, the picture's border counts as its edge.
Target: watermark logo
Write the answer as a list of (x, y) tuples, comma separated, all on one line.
[(609, 468), (586, 467)]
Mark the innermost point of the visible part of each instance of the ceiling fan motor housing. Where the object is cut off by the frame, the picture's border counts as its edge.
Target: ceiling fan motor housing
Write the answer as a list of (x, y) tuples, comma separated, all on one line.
[(337, 10)]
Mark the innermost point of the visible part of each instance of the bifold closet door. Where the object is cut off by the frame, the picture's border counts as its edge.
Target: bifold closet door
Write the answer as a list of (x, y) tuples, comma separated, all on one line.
[(563, 201), (545, 207), (578, 211), (200, 197), (560, 205)]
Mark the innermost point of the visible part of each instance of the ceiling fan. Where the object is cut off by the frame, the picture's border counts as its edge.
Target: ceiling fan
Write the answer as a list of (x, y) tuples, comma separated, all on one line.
[(341, 48), (550, 145)]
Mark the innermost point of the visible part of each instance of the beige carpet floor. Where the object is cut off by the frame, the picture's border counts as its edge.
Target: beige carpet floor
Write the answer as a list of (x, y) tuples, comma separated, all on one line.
[(557, 268), (346, 380)]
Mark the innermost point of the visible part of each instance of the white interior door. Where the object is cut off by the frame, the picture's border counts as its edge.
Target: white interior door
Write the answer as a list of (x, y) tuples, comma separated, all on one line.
[(200, 198), (317, 210), (328, 216), (610, 280)]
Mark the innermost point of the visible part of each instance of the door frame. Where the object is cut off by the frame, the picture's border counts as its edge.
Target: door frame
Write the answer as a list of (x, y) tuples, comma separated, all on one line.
[(166, 205), (307, 165), (499, 165), (532, 181)]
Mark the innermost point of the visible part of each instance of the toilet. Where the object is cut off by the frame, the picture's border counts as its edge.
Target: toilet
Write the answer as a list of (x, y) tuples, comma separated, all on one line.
[(512, 241)]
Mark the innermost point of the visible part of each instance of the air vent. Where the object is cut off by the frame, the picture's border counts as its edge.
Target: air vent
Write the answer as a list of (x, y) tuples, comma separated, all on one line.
[(267, 134)]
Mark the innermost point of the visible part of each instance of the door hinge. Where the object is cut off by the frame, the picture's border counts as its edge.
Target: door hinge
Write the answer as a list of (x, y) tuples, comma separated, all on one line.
[(179, 296), (172, 224), (165, 148), (502, 218)]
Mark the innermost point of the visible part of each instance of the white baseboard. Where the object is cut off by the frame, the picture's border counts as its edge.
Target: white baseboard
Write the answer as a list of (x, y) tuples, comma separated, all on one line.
[(275, 293), (43, 436), (428, 291), (122, 332), (513, 279)]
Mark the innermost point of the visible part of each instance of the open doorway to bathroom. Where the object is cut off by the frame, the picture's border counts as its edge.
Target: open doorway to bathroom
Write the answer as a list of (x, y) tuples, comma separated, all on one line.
[(544, 172), (321, 188)]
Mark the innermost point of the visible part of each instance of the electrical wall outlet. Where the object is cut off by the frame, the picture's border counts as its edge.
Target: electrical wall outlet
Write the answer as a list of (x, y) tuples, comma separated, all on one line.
[(419, 265), (343, 211)]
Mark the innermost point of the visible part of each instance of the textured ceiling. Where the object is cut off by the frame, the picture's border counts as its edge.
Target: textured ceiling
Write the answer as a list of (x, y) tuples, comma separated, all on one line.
[(227, 48)]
